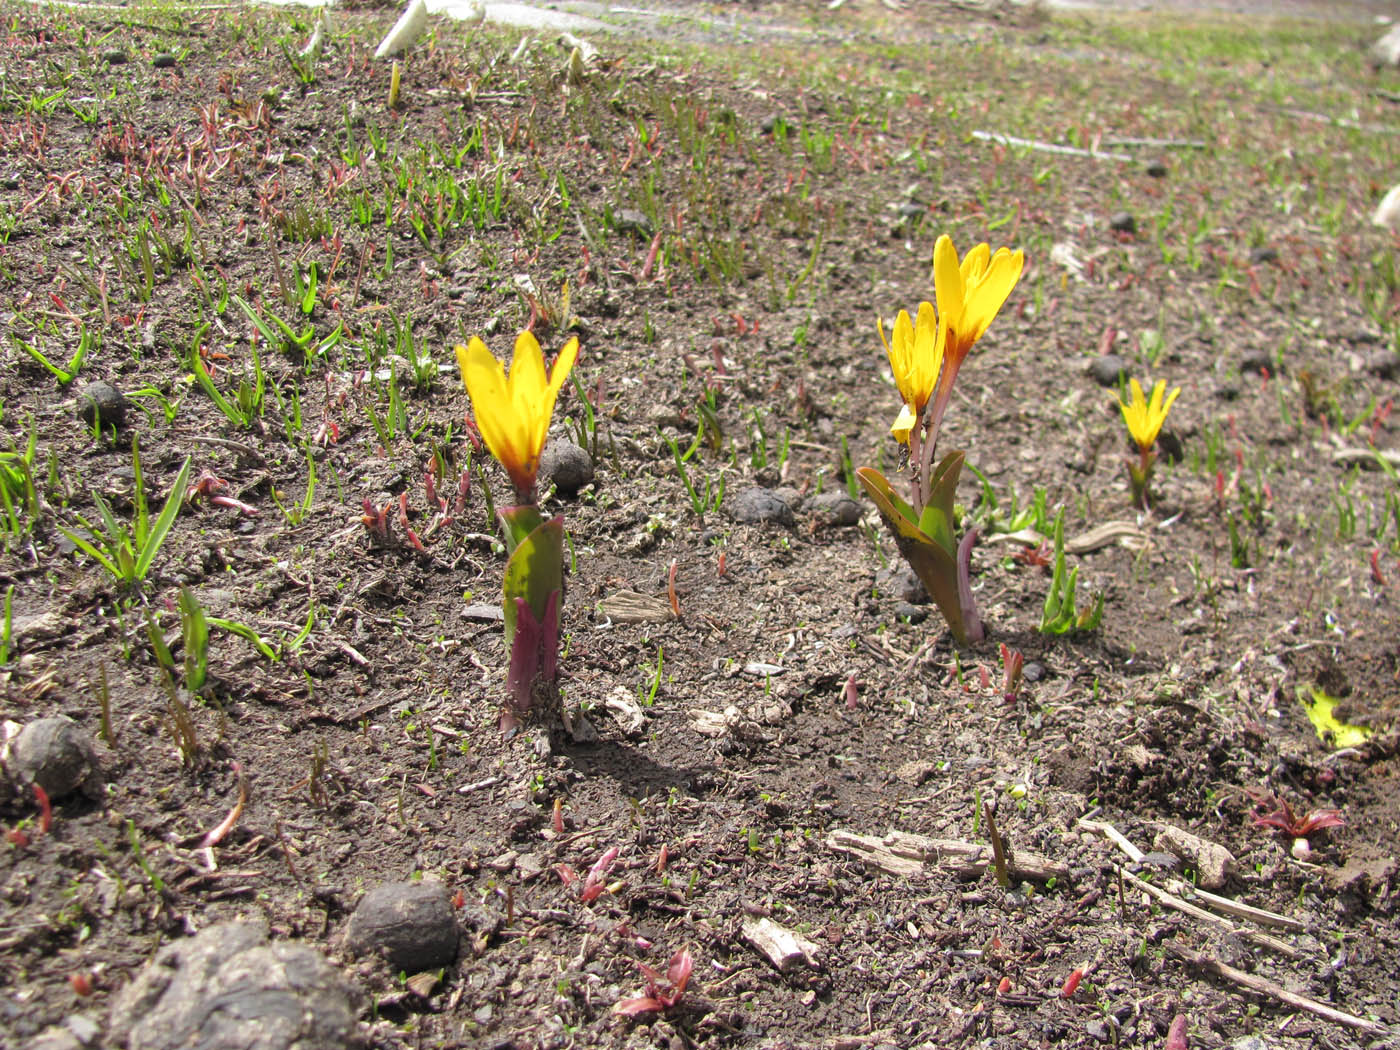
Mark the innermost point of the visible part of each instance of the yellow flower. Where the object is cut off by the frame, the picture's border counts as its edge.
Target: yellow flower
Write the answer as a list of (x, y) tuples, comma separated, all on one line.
[(513, 413), (1145, 418), (915, 350), (969, 296)]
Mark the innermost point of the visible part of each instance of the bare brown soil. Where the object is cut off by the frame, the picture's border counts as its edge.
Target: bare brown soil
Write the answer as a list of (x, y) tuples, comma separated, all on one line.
[(369, 743)]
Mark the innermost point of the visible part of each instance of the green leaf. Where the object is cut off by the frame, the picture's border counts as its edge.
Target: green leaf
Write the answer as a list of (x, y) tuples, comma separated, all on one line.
[(534, 572), (173, 502), (245, 632)]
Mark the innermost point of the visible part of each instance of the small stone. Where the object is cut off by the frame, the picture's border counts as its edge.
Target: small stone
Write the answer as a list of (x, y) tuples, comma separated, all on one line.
[(567, 465), (1385, 364), (1097, 1030), (1249, 1042), (630, 220), (57, 754), (836, 509), (790, 496), (914, 614), (1163, 860), (900, 582), (1157, 169), (770, 123), (410, 924), (1033, 671), (661, 416), (115, 56), (757, 504), (229, 987), (101, 404), (1122, 222), (910, 210), (164, 60), (1264, 254), (1108, 369), (1256, 362)]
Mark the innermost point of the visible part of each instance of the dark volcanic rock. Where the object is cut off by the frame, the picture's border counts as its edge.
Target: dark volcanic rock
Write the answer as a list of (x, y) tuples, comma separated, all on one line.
[(410, 924)]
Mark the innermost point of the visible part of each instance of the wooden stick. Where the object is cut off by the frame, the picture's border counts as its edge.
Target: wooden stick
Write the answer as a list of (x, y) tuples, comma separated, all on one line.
[(1266, 987), (1210, 900), (1048, 147), (1264, 940), (905, 855)]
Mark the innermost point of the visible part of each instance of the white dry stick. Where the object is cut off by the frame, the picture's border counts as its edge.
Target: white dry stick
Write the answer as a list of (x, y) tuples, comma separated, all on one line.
[(779, 945), (1049, 147), (406, 30), (1388, 211)]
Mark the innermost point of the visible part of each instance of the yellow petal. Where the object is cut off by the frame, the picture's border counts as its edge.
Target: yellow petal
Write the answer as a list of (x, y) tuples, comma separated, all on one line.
[(974, 264), (947, 281), (496, 417), (904, 425), (994, 286)]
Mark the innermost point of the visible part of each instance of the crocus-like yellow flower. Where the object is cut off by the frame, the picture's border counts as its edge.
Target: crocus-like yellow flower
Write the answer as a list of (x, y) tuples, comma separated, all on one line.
[(969, 296), (513, 412), (1145, 418), (915, 349)]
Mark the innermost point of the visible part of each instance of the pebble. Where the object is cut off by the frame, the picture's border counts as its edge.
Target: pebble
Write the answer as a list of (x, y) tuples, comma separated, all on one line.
[(1249, 1042), (410, 924), (770, 122), (230, 987), (756, 504), (1123, 222), (57, 754), (1263, 255), (115, 56), (101, 404), (164, 60), (910, 210), (1385, 364), (901, 583), (630, 220), (1257, 362), (567, 465), (1157, 169), (915, 614), (1107, 369), (837, 509), (1033, 671), (1097, 1030)]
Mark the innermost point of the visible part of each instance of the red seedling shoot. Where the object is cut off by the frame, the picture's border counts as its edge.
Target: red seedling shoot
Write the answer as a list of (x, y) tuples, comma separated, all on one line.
[(671, 590), (593, 884), (1376, 567), (1283, 818), (852, 693), (1176, 1034), (45, 809), (658, 999), (1071, 984)]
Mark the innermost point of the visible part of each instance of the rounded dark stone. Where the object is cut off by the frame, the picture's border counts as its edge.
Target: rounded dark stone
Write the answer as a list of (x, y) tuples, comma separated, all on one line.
[(836, 508), (1122, 222), (567, 465), (900, 582), (229, 987), (1157, 169), (164, 60), (115, 56), (913, 613), (630, 220), (101, 404), (1383, 363), (55, 753), (410, 924), (759, 504), (1033, 671), (1108, 369), (1256, 362), (1265, 254)]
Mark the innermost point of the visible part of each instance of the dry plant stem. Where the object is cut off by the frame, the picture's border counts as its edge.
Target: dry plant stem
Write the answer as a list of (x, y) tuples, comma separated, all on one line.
[(1263, 986), (903, 854), (1264, 940), (1210, 900), (998, 849)]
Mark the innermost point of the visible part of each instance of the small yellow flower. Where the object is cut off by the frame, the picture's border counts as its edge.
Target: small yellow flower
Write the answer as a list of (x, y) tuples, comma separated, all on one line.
[(915, 350), (970, 295), (513, 413), (1145, 418)]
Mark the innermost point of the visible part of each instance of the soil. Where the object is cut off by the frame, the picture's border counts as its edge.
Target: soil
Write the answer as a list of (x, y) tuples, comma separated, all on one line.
[(798, 694)]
